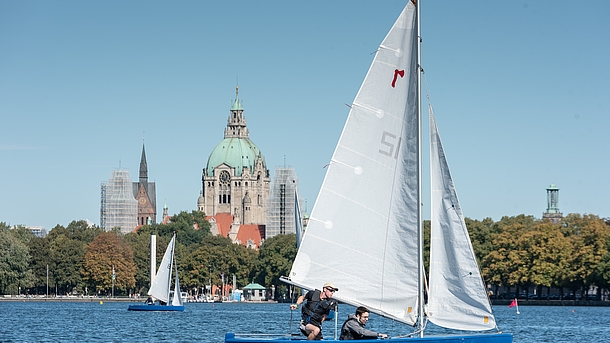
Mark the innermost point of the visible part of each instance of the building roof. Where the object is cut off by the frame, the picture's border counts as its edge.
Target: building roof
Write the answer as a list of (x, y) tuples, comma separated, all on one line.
[(236, 153), (249, 232), (223, 223), (254, 286)]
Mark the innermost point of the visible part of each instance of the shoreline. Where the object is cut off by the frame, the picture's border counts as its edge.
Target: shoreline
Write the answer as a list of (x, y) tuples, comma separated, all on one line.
[(494, 302), (116, 299), (523, 302)]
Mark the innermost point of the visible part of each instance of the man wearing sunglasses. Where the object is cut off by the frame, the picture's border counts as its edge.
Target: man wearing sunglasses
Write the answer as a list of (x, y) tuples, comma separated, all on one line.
[(315, 310), (353, 328)]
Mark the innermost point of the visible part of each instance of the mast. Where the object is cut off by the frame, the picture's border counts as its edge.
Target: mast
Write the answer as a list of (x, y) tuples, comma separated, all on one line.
[(420, 229), (153, 257), (171, 263)]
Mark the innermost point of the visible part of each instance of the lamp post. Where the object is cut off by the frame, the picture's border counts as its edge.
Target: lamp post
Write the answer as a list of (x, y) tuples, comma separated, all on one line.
[(210, 268), (47, 282), (113, 277)]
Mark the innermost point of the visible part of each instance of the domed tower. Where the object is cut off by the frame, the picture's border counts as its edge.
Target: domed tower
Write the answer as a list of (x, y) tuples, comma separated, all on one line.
[(236, 179)]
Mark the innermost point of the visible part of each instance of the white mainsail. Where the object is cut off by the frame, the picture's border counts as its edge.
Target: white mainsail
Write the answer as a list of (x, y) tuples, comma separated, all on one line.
[(161, 286), (363, 229), (457, 297)]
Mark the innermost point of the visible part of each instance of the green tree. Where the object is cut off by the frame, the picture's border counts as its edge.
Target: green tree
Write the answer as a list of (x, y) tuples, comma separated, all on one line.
[(67, 257), (548, 254), (588, 235), (275, 260), (140, 245), (480, 233), (14, 262), (107, 251), (506, 264), (191, 228), (78, 230), (217, 256), (41, 258), (603, 268)]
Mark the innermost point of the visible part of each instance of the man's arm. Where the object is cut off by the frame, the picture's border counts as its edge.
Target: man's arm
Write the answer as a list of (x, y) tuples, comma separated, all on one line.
[(298, 302), (361, 332)]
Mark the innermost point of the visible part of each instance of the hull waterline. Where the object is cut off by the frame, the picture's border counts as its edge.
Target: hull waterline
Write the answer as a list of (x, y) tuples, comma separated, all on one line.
[(146, 307), (476, 338)]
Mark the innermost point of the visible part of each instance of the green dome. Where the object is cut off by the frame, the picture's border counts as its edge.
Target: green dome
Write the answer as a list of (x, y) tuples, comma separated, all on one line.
[(236, 153)]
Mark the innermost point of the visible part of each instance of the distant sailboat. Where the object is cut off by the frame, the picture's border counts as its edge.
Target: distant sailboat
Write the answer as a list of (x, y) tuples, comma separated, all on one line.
[(365, 231), (160, 288)]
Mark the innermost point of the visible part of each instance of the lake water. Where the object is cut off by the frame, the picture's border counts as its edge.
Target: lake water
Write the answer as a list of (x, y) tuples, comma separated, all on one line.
[(202, 322)]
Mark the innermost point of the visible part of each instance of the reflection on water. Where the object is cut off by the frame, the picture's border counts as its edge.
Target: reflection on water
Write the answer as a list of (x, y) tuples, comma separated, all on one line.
[(111, 322)]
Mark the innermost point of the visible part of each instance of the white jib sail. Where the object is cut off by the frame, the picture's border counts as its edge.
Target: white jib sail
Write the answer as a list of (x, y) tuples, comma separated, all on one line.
[(177, 301), (362, 232), (457, 299), (160, 287)]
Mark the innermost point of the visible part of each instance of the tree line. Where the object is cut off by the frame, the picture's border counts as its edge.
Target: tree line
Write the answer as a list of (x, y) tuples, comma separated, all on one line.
[(520, 251), (80, 258)]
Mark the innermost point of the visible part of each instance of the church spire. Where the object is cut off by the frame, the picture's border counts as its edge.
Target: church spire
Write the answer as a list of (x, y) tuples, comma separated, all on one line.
[(143, 167), (236, 124)]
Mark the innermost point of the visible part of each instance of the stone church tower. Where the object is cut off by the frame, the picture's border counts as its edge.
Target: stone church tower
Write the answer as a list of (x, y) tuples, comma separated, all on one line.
[(236, 180), (145, 194)]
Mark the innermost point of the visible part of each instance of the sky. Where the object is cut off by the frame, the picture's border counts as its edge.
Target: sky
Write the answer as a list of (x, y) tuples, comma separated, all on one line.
[(520, 89)]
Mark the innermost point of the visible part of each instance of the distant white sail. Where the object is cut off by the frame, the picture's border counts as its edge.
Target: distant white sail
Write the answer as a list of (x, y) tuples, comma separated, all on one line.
[(177, 301), (161, 285), (362, 232), (457, 299)]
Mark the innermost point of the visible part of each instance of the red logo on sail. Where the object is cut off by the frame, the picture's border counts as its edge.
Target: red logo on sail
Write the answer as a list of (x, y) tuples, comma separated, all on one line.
[(397, 72)]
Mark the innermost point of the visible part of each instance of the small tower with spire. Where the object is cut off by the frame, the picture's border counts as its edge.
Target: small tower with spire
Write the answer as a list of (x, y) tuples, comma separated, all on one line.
[(236, 123), (552, 211)]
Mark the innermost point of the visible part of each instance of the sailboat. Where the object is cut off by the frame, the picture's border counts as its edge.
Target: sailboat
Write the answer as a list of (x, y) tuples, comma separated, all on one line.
[(161, 286), (365, 231)]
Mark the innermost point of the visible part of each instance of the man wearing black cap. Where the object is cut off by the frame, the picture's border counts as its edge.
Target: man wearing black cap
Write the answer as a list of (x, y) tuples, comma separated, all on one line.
[(315, 310)]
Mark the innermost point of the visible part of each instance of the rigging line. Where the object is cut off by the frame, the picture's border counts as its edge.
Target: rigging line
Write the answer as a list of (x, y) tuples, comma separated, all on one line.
[(427, 88)]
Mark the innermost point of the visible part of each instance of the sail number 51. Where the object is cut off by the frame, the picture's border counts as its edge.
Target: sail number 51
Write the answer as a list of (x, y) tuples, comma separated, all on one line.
[(391, 145)]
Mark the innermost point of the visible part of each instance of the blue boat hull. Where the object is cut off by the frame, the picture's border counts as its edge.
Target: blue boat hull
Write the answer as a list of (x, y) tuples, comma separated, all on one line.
[(477, 338), (155, 307)]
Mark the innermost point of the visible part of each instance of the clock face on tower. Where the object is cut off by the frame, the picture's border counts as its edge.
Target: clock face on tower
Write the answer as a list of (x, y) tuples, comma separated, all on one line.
[(142, 201), (225, 177)]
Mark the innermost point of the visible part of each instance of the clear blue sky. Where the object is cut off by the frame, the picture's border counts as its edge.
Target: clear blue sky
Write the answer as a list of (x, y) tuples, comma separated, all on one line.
[(521, 91)]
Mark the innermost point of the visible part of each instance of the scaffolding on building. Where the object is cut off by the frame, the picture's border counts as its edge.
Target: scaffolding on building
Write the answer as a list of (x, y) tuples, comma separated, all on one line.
[(281, 203), (118, 207)]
